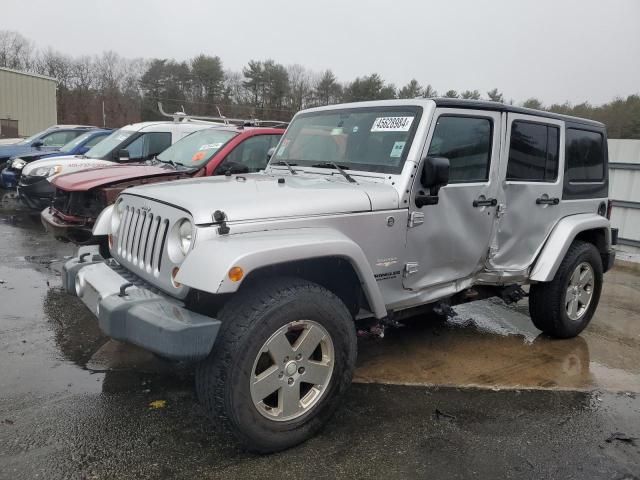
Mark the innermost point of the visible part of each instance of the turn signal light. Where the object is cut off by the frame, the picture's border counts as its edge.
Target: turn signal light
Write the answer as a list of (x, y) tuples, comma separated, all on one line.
[(110, 240), (236, 274)]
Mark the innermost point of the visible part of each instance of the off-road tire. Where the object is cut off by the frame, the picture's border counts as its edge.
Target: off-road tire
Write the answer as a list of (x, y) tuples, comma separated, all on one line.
[(547, 300), (248, 320)]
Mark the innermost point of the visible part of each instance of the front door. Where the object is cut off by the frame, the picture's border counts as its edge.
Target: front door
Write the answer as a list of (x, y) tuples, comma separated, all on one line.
[(531, 176), (450, 240)]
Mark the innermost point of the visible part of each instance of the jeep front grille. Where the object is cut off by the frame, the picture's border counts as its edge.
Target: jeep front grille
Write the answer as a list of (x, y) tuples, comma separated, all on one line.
[(140, 244), (141, 238)]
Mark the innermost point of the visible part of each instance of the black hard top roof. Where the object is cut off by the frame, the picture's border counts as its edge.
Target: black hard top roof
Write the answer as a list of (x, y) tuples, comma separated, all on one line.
[(503, 107)]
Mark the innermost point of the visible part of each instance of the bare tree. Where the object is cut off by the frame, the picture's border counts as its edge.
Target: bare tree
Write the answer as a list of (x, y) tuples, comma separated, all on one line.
[(15, 51), (299, 86)]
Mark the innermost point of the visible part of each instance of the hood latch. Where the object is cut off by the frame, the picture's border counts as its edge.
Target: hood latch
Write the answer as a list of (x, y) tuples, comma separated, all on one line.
[(220, 217)]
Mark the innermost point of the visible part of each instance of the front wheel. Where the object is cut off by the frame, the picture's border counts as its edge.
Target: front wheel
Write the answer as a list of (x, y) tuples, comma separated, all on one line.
[(564, 307), (283, 359)]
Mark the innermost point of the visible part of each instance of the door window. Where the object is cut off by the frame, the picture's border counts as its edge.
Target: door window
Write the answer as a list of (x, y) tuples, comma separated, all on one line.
[(585, 156), (533, 152), (466, 142), (148, 145), (58, 139), (252, 152)]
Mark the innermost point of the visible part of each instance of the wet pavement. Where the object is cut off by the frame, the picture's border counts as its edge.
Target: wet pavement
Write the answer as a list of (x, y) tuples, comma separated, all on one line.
[(482, 395)]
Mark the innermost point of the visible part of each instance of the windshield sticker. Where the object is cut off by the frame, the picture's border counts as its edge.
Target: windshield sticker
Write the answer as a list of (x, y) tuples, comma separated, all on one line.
[(397, 149), (197, 157), (336, 131), (392, 124), (122, 137), (211, 146)]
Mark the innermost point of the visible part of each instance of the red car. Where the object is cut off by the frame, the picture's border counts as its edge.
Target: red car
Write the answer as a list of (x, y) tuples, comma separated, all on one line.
[(81, 196)]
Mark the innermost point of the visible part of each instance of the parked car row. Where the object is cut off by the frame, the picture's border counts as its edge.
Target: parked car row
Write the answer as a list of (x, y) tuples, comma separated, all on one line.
[(71, 184), (79, 145)]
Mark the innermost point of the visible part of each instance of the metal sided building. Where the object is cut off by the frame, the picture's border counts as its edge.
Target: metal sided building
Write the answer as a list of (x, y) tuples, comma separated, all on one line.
[(27, 103), (624, 191)]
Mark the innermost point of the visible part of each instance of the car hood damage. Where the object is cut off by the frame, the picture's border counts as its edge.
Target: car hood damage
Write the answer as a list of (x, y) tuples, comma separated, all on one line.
[(109, 175), (260, 196)]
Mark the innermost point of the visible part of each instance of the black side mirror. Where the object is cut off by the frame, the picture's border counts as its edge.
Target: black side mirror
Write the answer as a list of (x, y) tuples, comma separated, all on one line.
[(232, 168), (270, 153), (37, 144), (123, 155), (435, 175)]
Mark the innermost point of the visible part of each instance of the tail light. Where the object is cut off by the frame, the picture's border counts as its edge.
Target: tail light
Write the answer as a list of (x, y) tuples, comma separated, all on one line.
[(609, 207)]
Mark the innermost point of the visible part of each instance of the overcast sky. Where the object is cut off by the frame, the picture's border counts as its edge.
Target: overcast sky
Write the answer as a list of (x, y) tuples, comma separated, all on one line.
[(555, 50)]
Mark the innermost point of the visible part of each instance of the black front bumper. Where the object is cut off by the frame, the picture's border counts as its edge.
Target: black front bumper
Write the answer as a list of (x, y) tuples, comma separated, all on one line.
[(35, 192), (129, 310)]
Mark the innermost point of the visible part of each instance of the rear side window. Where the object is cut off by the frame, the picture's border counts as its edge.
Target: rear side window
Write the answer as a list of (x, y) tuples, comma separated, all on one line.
[(466, 142), (584, 156), (533, 152)]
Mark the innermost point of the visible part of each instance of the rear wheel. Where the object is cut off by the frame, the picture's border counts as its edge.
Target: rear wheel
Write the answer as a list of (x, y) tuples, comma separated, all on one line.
[(284, 357), (564, 307)]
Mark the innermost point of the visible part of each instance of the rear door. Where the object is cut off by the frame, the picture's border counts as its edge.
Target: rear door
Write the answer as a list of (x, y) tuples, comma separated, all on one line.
[(531, 196)]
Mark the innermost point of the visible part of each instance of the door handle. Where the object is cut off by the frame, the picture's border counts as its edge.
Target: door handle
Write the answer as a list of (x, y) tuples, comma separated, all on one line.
[(547, 201), (485, 202)]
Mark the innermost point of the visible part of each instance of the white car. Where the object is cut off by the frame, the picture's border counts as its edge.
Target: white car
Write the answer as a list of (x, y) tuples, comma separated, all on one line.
[(137, 142)]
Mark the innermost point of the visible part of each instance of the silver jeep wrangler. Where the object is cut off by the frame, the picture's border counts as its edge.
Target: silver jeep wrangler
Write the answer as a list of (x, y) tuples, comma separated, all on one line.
[(368, 213)]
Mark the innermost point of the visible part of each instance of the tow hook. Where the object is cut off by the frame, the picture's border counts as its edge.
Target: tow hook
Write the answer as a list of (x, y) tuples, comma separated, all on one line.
[(378, 328), (444, 309), (513, 294)]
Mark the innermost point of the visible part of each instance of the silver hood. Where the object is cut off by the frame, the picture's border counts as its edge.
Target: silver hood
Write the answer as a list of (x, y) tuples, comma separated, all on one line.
[(260, 196)]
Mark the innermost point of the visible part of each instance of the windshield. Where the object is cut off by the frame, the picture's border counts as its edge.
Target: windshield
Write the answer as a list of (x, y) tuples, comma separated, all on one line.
[(32, 138), (196, 149), (68, 147), (106, 146), (374, 139)]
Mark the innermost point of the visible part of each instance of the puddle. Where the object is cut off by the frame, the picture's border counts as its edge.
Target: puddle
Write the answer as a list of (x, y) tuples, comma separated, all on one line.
[(490, 345)]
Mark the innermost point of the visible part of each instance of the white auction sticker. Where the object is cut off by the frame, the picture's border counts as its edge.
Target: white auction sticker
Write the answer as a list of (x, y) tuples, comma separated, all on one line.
[(392, 124), (210, 146)]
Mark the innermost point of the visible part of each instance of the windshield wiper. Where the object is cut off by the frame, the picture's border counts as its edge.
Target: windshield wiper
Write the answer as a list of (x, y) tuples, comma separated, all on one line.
[(288, 165), (169, 162), (341, 169)]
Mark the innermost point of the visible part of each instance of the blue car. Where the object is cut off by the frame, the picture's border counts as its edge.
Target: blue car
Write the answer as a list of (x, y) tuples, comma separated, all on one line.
[(46, 141), (78, 146)]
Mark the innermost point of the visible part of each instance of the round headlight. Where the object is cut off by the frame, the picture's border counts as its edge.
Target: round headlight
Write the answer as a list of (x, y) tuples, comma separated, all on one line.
[(116, 216), (185, 235)]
